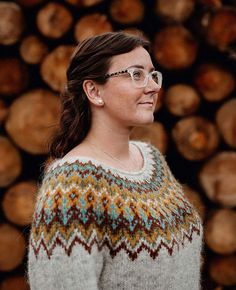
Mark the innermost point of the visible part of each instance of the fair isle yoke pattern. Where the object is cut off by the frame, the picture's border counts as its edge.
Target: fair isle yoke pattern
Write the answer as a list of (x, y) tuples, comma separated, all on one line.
[(82, 202)]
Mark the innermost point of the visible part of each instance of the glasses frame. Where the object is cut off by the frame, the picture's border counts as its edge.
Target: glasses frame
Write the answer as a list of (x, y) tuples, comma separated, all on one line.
[(130, 71)]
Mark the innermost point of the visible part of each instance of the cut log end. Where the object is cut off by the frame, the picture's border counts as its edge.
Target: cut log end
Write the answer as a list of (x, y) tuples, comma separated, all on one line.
[(195, 137), (12, 247), (174, 10), (11, 163), (33, 50), (182, 100), (91, 25), (214, 82), (127, 12), (218, 179), (184, 43), (153, 133), (220, 231), (54, 20), (19, 202), (33, 119), (11, 23)]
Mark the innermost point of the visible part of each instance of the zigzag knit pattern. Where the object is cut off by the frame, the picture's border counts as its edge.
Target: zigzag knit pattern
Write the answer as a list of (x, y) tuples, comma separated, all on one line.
[(82, 202)]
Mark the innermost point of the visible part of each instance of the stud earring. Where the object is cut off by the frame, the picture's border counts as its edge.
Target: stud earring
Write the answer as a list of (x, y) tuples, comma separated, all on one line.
[(100, 102)]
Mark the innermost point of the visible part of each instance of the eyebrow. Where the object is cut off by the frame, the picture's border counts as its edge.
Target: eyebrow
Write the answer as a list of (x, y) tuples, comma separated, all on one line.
[(140, 66)]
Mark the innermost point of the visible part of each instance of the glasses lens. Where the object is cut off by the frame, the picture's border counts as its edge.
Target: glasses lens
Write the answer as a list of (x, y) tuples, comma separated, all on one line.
[(138, 77), (156, 77)]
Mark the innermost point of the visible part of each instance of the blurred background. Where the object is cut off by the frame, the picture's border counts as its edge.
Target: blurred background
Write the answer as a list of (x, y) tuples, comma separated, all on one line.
[(193, 43)]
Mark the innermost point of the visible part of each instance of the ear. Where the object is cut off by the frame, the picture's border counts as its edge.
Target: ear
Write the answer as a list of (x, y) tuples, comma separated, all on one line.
[(91, 89)]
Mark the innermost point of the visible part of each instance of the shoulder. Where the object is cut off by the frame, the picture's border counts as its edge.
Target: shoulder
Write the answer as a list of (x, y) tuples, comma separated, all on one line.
[(62, 185)]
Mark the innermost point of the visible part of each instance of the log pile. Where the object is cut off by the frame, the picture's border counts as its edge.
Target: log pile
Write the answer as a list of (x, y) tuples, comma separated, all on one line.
[(192, 44)]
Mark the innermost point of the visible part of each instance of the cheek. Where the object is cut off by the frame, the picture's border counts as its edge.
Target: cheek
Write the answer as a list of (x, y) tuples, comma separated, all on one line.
[(155, 98), (123, 98)]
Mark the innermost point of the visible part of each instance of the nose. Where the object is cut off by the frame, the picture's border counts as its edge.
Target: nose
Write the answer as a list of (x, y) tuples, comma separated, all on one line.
[(152, 85)]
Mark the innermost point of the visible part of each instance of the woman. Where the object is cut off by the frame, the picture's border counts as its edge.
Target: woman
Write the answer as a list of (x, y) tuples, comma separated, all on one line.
[(109, 214)]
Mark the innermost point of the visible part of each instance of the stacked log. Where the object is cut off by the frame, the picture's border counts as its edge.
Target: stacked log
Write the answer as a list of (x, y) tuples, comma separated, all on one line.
[(196, 200), (59, 58), (32, 119), (33, 49), (18, 202), (217, 177), (54, 20), (12, 247), (11, 163), (182, 100), (185, 47), (127, 12), (216, 33), (192, 44), (29, 3), (226, 122), (91, 25), (11, 23), (84, 3), (196, 138), (3, 111), (13, 76), (214, 82), (220, 231), (154, 134), (174, 10), (15, 282), (223, 270)]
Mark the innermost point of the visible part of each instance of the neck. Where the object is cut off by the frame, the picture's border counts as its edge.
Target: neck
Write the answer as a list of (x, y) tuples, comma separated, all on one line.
[(113, 139)]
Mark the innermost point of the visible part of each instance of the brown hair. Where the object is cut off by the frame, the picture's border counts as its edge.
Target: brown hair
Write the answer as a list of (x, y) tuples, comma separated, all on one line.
[(91, 60)]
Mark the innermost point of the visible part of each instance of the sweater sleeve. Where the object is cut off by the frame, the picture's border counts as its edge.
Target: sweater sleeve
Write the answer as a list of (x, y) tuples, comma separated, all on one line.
[(64, 252)]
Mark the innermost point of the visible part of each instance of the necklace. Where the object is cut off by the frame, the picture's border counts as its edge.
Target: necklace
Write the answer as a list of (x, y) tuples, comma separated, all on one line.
[(133, 161)]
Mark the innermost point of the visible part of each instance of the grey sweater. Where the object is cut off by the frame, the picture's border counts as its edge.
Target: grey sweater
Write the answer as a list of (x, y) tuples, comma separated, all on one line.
[(97, 227)]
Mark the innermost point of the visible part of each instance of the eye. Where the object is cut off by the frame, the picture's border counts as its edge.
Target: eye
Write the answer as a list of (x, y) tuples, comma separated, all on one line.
[(138, 74)]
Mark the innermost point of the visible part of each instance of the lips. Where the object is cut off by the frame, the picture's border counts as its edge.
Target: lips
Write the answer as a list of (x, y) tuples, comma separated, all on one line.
[(146, 103)]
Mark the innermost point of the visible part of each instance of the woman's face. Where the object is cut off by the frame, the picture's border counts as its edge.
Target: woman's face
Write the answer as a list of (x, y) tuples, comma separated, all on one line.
[(124, 103)]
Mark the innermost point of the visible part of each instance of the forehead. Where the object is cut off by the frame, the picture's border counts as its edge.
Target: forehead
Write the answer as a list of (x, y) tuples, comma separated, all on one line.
[(137, 56)]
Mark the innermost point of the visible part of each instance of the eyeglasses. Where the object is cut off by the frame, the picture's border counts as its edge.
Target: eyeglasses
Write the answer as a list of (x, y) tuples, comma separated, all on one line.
[(139, 76)]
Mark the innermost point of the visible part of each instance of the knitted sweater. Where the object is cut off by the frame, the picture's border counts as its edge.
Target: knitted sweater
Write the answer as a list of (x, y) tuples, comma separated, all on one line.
[(97, 227)]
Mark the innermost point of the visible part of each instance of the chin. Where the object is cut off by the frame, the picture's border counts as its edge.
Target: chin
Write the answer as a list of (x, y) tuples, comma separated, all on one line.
[(143, 121)]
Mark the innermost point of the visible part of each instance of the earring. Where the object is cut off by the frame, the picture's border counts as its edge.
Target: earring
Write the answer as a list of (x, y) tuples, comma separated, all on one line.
[(100, 102)]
